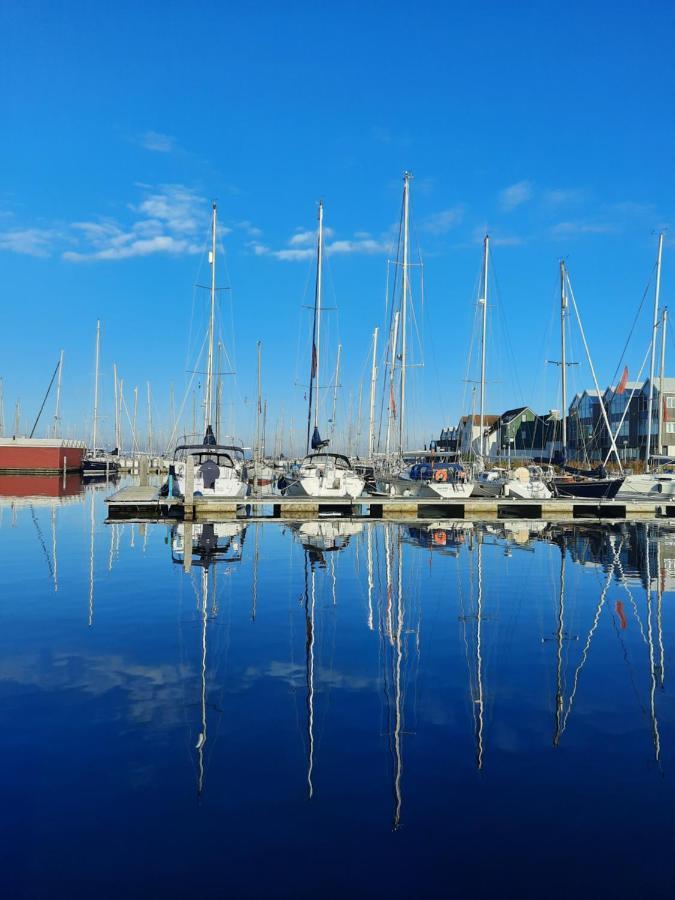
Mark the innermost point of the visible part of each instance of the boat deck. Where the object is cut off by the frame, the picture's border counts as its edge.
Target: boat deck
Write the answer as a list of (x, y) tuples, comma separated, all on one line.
[(144, 503)]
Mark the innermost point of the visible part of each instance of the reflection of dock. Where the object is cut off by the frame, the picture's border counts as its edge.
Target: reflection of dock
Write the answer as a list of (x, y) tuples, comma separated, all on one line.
[(146, 503)]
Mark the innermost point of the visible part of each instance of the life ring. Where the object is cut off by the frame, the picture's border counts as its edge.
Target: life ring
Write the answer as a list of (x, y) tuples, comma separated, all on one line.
[(440, 475)]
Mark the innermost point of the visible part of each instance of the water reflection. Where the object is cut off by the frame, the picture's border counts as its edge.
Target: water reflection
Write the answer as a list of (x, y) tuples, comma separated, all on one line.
[(407, 675)]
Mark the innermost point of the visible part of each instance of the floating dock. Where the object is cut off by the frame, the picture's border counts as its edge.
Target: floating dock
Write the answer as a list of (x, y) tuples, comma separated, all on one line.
[(145, 504)]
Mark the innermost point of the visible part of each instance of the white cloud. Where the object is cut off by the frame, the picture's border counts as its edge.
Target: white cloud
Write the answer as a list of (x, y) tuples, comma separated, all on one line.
[(249, 228), (515, 195), (441, 222), (308, 236), (28, 241), (170, 219), (362, 242), (155, 140), (577, 229), (561, 196), (127, 249)]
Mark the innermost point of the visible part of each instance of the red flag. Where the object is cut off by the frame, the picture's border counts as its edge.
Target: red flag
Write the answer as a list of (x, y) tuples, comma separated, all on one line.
[(624, 381), (313, 360), (665, 411), (392, 402)]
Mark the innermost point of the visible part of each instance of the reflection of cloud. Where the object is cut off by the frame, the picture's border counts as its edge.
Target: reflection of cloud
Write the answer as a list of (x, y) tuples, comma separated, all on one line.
[(155, 694), (296, 677)]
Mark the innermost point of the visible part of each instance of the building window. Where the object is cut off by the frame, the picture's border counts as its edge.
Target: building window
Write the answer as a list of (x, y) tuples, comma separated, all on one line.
[(670, 427), (670, 402)]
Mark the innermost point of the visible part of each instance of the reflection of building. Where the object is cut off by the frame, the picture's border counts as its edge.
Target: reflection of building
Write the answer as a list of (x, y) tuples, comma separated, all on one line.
[(19, 488)]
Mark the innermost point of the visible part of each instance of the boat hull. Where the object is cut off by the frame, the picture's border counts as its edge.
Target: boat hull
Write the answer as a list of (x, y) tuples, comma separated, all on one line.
[(593, 489), (648, 485)]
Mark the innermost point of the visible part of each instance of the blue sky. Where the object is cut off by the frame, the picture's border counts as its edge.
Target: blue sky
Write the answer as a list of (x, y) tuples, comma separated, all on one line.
[(551, 128)]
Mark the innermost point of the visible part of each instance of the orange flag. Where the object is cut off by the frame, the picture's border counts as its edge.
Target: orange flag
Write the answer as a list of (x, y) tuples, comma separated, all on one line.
[(624, 381)]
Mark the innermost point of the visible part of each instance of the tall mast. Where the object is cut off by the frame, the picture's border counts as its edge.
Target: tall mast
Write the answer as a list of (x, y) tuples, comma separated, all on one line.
[(121, 436), (335, 388), (373, 385), (664, 323), (57, 409), (98, 343), (392, 407), (219, 392), (655, 325), (2, 409), (117, 409), (259, 404), (404, 303), (135, 438), (208, 400), (316, 333), (483, 300), (149, 419), (563, 363)]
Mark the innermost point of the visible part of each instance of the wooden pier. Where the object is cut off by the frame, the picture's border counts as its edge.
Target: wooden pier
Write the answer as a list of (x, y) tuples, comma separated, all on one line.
[(144, 503)]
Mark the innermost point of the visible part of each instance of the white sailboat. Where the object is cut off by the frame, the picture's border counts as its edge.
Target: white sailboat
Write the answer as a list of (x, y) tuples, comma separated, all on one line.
[(420, 474), (322, 473), (219, 469), (656, 482)]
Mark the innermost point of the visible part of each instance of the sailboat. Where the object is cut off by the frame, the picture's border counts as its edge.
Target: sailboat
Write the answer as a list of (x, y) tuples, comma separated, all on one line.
[(322, 473), (219, 469), (526, 482), (596, 485), (656, 482), (421, 473), (99, 463)]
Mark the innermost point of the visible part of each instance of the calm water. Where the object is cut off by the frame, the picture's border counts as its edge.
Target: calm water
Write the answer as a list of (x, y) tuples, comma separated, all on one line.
[(372, 710)]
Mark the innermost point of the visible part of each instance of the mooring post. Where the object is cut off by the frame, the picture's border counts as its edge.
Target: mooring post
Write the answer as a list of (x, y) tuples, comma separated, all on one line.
[(189, 499), (187, 546), (65, 469), (143, 470)]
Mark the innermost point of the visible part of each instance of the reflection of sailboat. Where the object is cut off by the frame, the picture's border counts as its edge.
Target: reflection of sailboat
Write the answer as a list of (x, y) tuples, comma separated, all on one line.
[(204, 545), (392, 630), (564, 709), (310, 606), (476, 674), (325, 536), (209, 541)]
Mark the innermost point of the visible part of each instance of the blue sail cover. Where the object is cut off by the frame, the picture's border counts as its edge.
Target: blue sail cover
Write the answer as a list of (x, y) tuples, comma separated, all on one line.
[(317, 443)]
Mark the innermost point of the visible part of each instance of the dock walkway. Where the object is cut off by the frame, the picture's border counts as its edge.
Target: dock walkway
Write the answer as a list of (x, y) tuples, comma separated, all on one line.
[(145, 503)]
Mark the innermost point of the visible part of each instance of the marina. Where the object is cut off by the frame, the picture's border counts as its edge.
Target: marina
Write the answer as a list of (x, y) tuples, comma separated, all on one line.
[(146, 503), (337, 451)]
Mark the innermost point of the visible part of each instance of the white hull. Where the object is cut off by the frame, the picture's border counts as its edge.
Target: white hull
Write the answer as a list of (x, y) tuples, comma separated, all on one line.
[(656, 485), (229, 483), (399, 486), (528, 490), (329, 483)]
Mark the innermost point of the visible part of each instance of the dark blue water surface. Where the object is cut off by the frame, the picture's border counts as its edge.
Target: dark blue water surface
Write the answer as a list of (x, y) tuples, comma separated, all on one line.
[(334, 709)]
